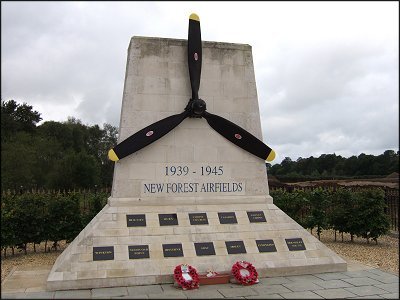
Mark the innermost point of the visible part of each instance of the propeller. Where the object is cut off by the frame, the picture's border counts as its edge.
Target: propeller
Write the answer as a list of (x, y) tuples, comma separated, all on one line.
[(196, 108)]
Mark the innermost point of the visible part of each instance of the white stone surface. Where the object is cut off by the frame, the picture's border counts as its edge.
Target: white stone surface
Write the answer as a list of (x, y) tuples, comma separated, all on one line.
[(156, 86)]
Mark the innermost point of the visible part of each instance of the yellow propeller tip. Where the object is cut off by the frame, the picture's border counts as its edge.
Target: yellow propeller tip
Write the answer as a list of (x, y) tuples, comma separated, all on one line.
[(271, 156), (112, 156), (194, 17)]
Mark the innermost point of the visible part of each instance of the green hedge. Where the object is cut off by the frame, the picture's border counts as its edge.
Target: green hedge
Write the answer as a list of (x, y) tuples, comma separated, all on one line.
[(359, 213), (42, 217)]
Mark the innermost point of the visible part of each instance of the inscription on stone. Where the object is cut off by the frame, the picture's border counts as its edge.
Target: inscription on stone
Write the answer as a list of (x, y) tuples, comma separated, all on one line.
[(256, 216), (168, 219), (172, 250), (192, 188), (296, 244), (235, 247), (192, 179), (227, 218), (266, 245), (103, 253), (138, 251), (198, 219), (204, 249), (135, 220)]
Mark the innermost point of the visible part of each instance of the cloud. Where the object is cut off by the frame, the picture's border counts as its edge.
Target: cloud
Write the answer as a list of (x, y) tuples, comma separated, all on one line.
[(337, 97), (67, 54)]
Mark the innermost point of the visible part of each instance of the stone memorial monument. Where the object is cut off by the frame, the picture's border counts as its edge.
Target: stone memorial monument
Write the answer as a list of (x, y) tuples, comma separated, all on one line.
[(192, 195)]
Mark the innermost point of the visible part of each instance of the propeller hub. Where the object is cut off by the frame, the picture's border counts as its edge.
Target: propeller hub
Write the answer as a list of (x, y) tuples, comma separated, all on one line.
[(198, 108)]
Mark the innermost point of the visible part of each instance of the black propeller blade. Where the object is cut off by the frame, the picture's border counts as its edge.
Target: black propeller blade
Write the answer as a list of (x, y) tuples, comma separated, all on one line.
[(194, 54), (239, 137), (146, 136), (196, 108)]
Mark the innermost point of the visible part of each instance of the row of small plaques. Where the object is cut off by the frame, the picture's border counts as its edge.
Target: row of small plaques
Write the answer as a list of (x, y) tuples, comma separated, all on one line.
[(195, 218), (175, 250)]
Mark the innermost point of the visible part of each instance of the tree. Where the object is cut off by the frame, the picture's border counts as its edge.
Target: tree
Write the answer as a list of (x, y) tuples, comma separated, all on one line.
[(294, 204), (353, 215), (287, 165), (56, 132), (338, 215), (64, 218), (365, 163), (17, 117), (94, 142), (390, 161), (336, 166), (327, 163), (47, 154), (319, 202), (374, 222), (9, 223), (109, 140), (28, 219), (351, 166), (76, 170), (17, 162)]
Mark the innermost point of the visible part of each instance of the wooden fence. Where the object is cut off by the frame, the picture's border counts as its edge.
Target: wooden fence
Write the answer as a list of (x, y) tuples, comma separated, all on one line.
[(392, 201), (57, 191)]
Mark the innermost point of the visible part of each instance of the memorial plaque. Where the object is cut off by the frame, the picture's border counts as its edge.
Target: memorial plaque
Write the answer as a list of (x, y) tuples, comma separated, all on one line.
[(172, 250), (168, 219), (266, 245), (138, 251), (256, 216), (235, 247), (103, 253), (295, 244), (135, 220), (198, 219), (204, 249), (227, 218)]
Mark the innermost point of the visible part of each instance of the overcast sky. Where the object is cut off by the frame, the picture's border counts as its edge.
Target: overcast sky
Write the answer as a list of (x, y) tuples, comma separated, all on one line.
[(327, 73)]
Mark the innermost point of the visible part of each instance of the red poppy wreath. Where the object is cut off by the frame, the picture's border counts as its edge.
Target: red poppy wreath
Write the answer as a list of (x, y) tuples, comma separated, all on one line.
[(245, 273), (186, 276)]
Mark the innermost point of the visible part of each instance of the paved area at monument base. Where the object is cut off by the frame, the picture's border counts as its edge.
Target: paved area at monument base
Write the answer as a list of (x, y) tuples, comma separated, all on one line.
[(358, 282)]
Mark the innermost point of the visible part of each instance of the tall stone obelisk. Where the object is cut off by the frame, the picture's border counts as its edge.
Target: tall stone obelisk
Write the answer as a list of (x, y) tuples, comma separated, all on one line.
[(192, 196)]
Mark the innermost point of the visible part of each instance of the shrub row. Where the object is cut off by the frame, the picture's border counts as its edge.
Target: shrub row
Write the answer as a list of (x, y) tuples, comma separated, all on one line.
[(359, 213), (42, 217)]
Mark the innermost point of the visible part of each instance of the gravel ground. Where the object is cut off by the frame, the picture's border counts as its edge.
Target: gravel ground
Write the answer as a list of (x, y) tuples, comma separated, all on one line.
[(385, 255), (30, 259)]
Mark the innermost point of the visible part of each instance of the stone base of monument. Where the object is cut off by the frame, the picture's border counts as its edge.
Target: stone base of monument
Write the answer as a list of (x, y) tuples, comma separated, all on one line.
[(132, 243)]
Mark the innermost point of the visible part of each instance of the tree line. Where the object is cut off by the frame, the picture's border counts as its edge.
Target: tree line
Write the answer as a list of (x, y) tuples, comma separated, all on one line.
[(332, 166), (52, 155)]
